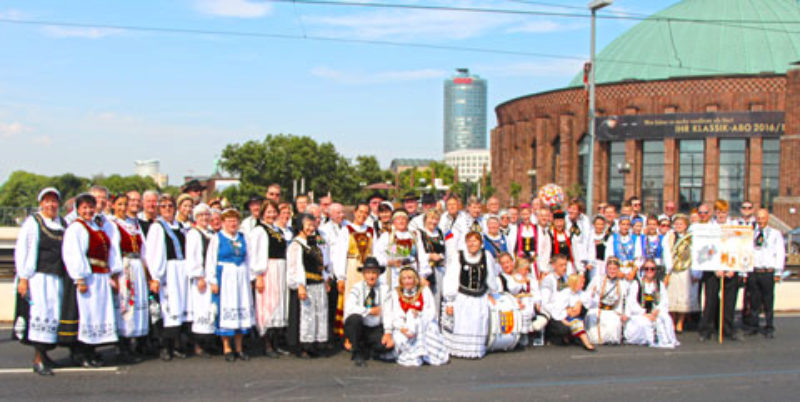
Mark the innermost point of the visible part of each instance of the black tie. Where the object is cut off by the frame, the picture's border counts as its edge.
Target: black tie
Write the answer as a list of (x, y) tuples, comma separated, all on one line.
[(98, 220), (369, 302)]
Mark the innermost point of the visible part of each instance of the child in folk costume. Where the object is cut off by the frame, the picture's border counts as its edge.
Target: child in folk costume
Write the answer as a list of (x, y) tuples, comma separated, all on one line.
[(132, 305), (92, 261), (197, 241), (530, 297), (368, 318), (416, 329), (165, 247), (267, 253), (606, 305), (571, 301), (398, 249), (228, 274), (308, 316), (650, 323), (40, 279), (471, 275)]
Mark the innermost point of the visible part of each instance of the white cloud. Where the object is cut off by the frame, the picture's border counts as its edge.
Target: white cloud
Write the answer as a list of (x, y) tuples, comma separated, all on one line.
[(408, 24), (8, 130), (360, 78), (80, 32), (234, 8), (12, 14), (543, 26), (43, 140)]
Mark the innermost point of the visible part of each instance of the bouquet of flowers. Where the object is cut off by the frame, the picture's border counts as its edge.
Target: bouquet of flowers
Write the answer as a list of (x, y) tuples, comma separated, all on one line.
[(551, 195)]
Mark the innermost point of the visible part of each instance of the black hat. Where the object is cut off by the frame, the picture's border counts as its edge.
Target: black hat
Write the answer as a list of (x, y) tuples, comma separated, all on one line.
[(193, 185), (559, 214), (372, 263), (428, 198), (255, 198), (374, 196), (410, 196)]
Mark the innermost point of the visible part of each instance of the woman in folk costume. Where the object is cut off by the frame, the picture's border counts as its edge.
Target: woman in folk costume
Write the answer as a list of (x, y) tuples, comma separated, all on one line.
[(308, 301), (228, 275), (165, 247), (565, 243), (398, 249), (132, 299), (416, 329), (527, 240), (652, 245), (431, 249), (471, 276), (348, 254), (494, 241), (40, 279), (184, 205), (197, 241), (626, 247), (596, 250), (93, 262), (267, 253), (284, 220), (606, 306), (682, 286), (649, 322)]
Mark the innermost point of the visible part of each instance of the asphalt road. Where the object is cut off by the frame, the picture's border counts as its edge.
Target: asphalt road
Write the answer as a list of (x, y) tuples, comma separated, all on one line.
[(755, 368)]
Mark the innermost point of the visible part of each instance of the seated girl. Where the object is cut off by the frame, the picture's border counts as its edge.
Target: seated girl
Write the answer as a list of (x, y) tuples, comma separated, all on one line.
[(416, 330), (533, 318), (647, 306)]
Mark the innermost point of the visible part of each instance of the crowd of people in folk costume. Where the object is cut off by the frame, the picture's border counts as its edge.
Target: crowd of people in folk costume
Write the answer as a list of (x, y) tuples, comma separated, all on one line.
[(172, 277)]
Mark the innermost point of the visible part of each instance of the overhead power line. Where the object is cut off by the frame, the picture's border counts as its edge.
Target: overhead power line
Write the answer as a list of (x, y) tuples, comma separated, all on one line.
[(266, 35)]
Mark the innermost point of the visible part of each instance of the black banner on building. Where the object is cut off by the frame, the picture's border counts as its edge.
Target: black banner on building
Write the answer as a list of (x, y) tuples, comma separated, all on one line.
[(690, 126)]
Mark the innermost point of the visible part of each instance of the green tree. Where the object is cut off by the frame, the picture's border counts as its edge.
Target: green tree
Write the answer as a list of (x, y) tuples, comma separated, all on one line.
[(514, 190), (22, 188), (118, 184)]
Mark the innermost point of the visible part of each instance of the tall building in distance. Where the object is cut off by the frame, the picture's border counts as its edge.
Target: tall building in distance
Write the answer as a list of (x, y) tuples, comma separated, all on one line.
[(465, 125), (464, 112), (150, 168)]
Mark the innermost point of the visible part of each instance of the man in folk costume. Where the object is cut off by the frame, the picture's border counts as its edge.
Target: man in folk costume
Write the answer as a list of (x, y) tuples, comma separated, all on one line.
[(332, 230), (374, 201), (579, 228), (350, 252), (93, 262), (418, 222), (165, 247), (605, 314), (398, 249), (451, 215), (253, 205), (40, 279), (567, 243), (384, 222), (768, 265), (544, 242), (554, 282), (368, 324)]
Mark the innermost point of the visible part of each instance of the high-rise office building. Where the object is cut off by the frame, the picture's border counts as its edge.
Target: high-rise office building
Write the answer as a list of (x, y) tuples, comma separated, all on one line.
[(464, 112)]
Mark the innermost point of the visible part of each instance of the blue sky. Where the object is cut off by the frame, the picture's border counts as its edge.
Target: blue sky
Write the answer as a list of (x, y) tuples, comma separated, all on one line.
[(91, 100)]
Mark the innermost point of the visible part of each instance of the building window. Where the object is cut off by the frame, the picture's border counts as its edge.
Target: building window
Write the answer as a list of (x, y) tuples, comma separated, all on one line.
[(732, 165), (583, 163), (652, 175), (556, 159), (616, 175), (770, 158), (690, 180)]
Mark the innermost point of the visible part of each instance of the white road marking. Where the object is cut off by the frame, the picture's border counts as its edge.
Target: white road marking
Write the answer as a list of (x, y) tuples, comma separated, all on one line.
[(62, 370)]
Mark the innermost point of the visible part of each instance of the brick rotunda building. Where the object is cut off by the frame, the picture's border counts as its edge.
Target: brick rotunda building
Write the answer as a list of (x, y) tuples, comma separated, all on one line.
[(687, 111)]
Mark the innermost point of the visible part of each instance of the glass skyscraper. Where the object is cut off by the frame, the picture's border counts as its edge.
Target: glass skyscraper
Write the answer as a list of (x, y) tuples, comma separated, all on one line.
[(464, 112)]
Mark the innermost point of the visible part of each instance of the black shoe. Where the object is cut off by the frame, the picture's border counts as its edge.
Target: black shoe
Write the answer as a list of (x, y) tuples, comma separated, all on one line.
[(42, 369), (230, 357), (281, 351), (127, 357), (165, 355), (360, 362), (49, 362), (86, 363), (96, 361), (272, 354), (242, 356)]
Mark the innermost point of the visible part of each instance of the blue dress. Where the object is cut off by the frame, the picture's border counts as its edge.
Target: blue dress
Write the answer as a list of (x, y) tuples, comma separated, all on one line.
[(234, 300)]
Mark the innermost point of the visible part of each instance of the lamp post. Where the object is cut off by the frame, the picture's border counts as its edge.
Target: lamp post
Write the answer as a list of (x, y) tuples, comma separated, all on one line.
[(593, 5)]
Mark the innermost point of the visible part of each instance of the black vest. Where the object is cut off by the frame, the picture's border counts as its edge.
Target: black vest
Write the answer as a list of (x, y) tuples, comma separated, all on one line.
[(472, 279), (48, 259), (433, 244), (312, 263), (277, 244), (171, 254)]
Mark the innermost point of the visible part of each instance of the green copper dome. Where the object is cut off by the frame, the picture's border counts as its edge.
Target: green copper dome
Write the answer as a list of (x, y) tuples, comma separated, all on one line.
[(658, 49)]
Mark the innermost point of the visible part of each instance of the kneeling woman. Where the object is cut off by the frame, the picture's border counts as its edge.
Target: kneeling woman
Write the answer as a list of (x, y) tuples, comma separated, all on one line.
[(91, 260), (308, 308), (416, 329), (471, 275), (228, 273), (650, 323)]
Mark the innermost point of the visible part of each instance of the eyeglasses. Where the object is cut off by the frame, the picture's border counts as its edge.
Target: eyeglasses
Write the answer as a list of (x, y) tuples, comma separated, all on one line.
[(665, 225), (702, 212), (747, 207), (648, 268), (166, 206)]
